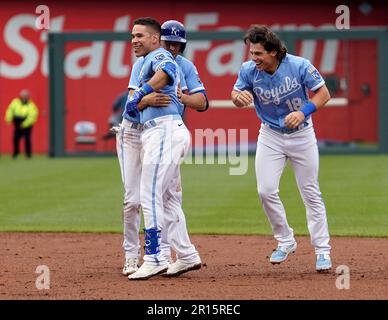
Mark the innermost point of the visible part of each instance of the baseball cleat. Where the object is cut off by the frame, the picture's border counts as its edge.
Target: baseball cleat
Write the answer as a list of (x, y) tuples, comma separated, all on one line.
[(323, 262), (178, 267), (131, 266), (170, 260), (281, 253), (147, 271)]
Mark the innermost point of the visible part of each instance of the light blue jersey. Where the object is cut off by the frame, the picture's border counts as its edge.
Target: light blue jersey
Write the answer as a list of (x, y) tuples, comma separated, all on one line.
[(192, 83), (134, 85), (142, 71), (190, 80), (285, 91), (135, 72)]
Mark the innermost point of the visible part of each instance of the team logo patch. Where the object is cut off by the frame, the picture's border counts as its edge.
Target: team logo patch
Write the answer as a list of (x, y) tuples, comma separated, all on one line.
[(314, 73), (159, 56)]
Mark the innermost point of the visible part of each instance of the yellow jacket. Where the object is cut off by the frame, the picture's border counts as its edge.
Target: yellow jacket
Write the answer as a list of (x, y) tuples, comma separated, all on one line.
[(29, 112)]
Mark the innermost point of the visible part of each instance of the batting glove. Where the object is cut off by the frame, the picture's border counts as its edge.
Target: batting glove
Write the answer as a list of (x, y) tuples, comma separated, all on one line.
[(131, 104)]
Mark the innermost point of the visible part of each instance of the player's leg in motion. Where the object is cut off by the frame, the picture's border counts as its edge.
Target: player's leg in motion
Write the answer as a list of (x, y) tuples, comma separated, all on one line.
[(164, 244), (270, 162), (305, 162), (128, 151), (176, 230), (163, 146), (156, 144)]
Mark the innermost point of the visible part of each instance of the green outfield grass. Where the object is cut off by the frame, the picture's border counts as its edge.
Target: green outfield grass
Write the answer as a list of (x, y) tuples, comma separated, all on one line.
[(85, 194)]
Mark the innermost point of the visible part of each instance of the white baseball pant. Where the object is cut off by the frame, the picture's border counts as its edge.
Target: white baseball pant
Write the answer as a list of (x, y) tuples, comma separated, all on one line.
[(129, 148), (300, 147), (165, 141), (175, 232)]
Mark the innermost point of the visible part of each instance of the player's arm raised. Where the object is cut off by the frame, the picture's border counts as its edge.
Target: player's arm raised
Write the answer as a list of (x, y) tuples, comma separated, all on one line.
[(319, 99), (241, 98)]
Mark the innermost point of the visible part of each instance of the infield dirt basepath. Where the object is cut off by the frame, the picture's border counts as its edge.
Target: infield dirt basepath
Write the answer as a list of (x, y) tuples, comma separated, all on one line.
[(88, 266)]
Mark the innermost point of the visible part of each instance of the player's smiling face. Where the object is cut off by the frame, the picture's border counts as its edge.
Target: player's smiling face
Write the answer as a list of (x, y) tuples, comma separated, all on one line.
[(264, 60), (144, 40)]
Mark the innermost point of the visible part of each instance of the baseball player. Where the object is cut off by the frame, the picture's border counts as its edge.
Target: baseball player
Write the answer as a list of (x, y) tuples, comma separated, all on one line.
[(277, 83), (196, 99), (162, 140), (191, 94)]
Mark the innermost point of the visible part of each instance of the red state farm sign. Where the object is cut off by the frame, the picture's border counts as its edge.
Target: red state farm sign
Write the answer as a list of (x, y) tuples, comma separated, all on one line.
[(97, 72)]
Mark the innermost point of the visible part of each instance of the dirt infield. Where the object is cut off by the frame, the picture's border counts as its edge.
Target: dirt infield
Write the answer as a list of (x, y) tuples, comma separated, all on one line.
[(88, 266)]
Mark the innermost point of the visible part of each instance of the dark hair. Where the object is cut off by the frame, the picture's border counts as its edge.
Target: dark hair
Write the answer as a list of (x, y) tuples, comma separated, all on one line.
[(267, 38), (149, 22)]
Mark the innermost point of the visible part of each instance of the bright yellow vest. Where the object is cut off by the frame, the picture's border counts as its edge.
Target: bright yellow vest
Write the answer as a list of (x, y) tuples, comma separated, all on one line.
[(28, 112)]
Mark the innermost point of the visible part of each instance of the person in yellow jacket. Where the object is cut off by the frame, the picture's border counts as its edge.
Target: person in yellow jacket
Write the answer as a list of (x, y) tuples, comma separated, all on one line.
[(23, 112)]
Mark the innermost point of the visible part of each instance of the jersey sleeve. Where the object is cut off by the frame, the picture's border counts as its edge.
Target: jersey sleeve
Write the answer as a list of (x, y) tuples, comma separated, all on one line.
[(310, 76), (183, 83), (134, 79), (165, 62), (194, 83), (243, 82)]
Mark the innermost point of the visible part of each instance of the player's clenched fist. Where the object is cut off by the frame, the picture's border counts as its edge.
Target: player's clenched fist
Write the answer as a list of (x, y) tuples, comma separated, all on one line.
[(242, 98)]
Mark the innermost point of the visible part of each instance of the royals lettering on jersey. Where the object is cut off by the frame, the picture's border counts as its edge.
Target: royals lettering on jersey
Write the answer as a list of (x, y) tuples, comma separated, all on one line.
[(142, 71), (276, 93), (283, 92)]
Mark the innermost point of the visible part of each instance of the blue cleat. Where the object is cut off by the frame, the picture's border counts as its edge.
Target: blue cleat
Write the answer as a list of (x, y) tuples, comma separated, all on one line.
[(281, 253), (323, 262)]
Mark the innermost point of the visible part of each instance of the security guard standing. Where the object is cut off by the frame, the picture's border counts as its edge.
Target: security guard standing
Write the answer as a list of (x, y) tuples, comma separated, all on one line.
[(23, 113)]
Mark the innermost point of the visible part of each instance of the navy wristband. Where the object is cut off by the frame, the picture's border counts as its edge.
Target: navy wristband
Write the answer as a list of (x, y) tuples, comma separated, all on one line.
[(308, 109), (146, 89)]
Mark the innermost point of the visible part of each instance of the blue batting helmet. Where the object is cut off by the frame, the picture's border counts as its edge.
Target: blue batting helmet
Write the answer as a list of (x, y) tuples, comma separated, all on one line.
[(174, 31)]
